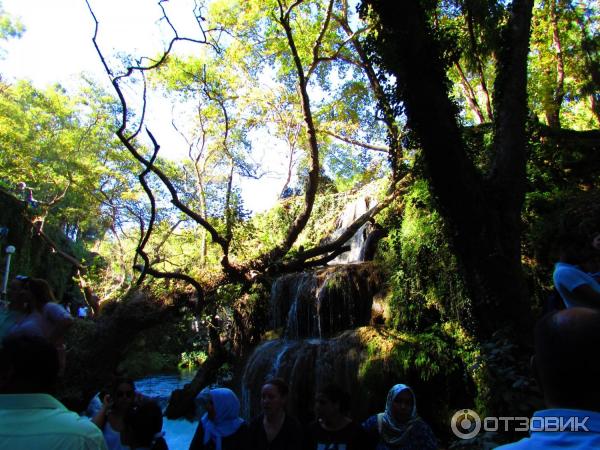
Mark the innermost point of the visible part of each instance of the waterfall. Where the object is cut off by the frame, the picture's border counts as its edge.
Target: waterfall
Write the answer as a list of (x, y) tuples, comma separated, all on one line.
[(312, 308), (318, 313), (351, 212), (324, 302)]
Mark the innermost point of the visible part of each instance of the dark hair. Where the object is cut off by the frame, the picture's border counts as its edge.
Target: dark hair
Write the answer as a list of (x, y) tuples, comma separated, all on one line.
[(566, 351), (143, 422), (30, 363), (39, 288), (574, 240), (122, 380), (336, 394), (280, 384)]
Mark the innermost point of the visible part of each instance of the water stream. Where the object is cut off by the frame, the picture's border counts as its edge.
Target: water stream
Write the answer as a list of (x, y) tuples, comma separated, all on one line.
[(178, 433)]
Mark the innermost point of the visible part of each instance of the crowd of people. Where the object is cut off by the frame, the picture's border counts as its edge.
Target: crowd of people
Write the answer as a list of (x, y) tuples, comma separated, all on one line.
[(32, 357), (31, 418)]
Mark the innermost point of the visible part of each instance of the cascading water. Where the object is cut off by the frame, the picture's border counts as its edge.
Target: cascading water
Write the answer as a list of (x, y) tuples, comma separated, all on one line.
[(317, 312), (324, 302), (350, 213)]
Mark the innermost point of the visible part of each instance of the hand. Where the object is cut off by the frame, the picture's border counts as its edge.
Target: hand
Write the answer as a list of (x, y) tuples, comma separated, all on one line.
[(107, 402)]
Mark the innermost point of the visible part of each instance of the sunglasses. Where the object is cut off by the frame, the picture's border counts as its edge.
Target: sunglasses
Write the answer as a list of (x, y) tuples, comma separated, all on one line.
[(22, 277)]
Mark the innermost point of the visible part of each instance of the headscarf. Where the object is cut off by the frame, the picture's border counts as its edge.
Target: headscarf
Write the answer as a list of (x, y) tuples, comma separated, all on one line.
[(226, 421), (392, 432)]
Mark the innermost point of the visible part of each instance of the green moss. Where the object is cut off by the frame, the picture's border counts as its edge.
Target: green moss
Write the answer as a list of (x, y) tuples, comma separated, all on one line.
[(426, 286), (430, 362)]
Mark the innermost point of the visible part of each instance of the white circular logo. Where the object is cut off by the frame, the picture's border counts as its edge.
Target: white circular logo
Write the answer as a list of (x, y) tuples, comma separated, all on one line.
[(465, 423)]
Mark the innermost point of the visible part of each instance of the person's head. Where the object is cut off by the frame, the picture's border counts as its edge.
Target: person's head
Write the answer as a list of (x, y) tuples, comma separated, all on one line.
[(577, 244), (273, 396), (26, 294), (400, 403), (330, 402), (566, 358), (28, 364), (222, 406), (123, 393), (143, 426)]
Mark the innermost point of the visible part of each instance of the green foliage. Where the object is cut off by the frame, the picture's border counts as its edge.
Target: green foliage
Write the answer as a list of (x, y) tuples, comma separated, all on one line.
[(10, 27), (433, 363), (573, 23), (161, 349), (192, 359), (263, 231), (59, 143), (426, 283)]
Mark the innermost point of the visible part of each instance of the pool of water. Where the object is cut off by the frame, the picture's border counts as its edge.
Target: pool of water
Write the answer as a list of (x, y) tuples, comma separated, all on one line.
[(178, 433)]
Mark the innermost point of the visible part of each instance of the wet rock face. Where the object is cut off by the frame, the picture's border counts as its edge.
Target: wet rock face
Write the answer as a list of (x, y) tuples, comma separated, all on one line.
[(322, 303), (306, 365)]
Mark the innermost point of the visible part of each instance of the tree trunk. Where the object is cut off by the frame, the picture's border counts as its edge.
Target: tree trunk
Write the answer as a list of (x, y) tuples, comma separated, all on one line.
[(483, 215)]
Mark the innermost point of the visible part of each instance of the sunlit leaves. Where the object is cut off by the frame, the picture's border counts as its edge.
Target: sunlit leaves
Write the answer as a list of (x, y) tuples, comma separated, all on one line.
[(55, 143)]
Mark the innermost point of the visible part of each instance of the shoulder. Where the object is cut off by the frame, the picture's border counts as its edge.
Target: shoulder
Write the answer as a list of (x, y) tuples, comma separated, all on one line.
[(256, 422), (240, 433), (237, 440), (566, 270), (292, 423), (73, 425), (523, 444), (353, 429), (370, 423), (54, 310), (570, 276), (422, 435), (29, 325)]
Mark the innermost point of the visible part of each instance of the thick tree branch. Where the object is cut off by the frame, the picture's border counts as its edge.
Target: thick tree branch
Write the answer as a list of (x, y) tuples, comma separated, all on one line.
[(313, 173), (510, 108), (378, 148), (469, 93)]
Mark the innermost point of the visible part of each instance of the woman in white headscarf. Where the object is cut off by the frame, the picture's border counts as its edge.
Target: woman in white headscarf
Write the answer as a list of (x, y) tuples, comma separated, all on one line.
[(221, 427), (399, 427)]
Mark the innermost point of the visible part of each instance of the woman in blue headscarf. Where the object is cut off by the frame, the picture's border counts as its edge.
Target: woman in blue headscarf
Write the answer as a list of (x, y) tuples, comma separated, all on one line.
[(399, 427), (221, 428)]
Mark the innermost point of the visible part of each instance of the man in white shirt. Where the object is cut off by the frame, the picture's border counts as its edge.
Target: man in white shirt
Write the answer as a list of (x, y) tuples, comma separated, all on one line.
[(30, 417)]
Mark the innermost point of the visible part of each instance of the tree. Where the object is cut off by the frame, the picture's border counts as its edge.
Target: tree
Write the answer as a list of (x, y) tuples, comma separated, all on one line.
[(268, 33), (562, 74), (60, 148), (483, 210)]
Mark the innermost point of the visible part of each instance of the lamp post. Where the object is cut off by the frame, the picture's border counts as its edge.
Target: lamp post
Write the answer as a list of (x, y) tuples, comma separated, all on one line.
[(9, 252)]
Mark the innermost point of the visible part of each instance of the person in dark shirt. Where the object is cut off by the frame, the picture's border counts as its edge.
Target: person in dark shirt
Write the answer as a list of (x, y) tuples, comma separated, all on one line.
[(142, 427), (221, 427), (399, 426), (274, 429), (333, 429)]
